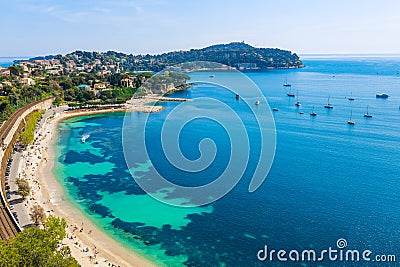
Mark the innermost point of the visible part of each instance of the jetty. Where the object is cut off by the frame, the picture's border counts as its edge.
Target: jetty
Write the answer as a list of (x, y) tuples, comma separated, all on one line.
[(168, 99)]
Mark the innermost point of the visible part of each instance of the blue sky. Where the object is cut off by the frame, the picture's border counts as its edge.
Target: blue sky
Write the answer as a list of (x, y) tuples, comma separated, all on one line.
[(40, 27)]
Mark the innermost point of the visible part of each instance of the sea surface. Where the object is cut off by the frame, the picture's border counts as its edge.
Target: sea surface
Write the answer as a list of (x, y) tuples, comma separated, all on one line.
[(329, 180), (8, 61)]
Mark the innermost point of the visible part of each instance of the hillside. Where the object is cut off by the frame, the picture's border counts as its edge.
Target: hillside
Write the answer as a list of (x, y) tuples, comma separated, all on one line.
[(237, 54)]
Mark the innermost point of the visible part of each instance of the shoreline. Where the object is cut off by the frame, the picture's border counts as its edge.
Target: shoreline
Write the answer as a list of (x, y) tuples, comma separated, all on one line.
[(89, 244), (102, 248)]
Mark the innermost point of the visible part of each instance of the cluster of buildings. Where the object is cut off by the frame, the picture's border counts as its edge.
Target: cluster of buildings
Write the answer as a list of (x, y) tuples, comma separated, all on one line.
[(55, 66), (51, 66), (96, 65), (4, 71), (2, 85), (25, 80), (97, 87)]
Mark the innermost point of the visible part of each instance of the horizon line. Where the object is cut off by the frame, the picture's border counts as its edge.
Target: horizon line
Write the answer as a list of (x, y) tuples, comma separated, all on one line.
[(371, 54)]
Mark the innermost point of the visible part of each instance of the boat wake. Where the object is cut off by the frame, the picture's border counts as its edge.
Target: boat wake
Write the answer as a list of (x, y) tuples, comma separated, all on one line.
[(84, 137)]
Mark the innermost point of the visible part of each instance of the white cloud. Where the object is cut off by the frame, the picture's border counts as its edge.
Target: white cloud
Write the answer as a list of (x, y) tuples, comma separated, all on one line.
[(139, 9)]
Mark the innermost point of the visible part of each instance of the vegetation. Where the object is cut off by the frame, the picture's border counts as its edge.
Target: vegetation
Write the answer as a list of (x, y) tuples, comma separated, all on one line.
[(23, 188), (37, 214), (164, 82), (235, 54), (112, 77), (27, 136), (57, 102), (36, 247), (96, 78), (64, 88)]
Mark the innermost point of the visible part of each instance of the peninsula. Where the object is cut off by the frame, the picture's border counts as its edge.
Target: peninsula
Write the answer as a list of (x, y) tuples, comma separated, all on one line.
[(112, 78), (36, 94), (236, 54)]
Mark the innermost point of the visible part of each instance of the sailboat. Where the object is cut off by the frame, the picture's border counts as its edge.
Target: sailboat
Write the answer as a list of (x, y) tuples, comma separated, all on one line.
[(367, 115), (286, 84), (290, 94), (298, 104), (351, 98), (328, 105), (350, 121), (313, 112)]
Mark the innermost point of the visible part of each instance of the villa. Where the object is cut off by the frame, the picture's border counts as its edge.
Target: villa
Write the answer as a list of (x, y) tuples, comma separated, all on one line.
[(4, 72)]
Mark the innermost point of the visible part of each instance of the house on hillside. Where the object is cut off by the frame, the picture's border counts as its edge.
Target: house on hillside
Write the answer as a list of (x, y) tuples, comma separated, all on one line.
[(54, 71), (4, 72), (99, 86), (27, 81), (84, 87), (27, 66), (247, 66), (128, 82), (6, 83)]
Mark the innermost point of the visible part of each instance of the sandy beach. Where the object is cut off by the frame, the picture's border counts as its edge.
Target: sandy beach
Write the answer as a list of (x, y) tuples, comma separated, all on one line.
[(89, 245)]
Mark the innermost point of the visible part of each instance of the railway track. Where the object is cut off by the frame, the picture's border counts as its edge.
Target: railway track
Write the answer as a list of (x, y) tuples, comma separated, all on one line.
[(8, 226), (6, 127)]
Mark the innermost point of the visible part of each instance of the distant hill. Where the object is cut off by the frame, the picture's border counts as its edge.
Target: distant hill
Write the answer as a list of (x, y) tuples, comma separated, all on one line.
[(236, 54), (235, 46), (36, 58)]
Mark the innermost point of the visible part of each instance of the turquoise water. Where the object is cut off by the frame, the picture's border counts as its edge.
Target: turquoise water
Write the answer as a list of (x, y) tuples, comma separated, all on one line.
[(329, 180)]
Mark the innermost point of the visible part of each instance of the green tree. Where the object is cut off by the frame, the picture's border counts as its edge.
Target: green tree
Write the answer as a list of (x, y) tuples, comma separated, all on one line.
[(69, 95), (115, 79), (88, 95), (4, 104), (27, 136), (15, 70), (23, 188), (116, 93), (36, 247), (5, 251), (106, 94), (57, 101), (13, 98), (66, 83)]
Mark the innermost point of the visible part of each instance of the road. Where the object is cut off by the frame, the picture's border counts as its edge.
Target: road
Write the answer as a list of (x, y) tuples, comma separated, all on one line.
[(17, 171)]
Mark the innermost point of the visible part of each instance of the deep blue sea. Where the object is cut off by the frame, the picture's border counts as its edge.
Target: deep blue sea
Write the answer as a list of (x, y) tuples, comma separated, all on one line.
[(329, 180)]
